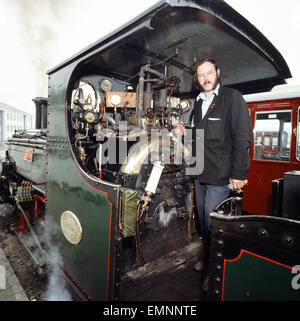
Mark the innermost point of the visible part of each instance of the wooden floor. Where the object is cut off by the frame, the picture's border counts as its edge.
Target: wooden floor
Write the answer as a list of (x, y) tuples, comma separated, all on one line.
[(168, 278)]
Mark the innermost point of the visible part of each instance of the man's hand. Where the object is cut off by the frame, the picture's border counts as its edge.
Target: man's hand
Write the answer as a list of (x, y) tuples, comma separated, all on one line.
[(179, 128), (238, 184)]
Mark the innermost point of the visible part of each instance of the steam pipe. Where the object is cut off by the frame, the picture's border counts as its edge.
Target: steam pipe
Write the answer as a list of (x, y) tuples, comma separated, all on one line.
[(84, 137), (152, 71), (140, 102), (140, 97), (28, 140), (109, 119)]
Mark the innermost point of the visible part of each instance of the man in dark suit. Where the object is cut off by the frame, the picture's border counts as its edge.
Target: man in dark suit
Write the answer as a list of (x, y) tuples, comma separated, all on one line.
[(223, 115)]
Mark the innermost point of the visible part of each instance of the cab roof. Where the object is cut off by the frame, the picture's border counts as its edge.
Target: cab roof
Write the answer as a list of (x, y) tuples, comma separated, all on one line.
[(173, 35)]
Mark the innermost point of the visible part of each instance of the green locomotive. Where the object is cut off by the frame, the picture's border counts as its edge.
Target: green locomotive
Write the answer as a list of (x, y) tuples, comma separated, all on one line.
[(119, 204)]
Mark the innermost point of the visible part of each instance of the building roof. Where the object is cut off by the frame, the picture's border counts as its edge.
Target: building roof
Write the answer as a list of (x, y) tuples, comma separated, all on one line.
[(4, 106)]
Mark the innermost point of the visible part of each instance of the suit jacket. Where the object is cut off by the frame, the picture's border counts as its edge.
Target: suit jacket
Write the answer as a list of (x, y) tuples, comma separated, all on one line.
[(227, 137)]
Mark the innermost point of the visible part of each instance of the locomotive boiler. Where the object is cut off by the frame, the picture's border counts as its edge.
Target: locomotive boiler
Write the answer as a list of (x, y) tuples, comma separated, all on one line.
[(115, 178), (23, 177)]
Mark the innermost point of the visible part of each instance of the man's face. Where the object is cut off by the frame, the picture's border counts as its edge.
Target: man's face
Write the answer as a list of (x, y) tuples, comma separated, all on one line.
[(208, 76)]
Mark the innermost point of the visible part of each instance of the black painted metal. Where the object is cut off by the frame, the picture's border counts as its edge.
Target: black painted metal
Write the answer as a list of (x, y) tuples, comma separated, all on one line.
[(40, 112), (291, 192), (275, 238), (277, 196)]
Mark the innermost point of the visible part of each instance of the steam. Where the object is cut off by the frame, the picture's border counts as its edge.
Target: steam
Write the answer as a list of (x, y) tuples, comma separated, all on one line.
[(40, 34), (51, 264), (34, 44), (57, 284), (56, 290), (36, 21), (165, 217)]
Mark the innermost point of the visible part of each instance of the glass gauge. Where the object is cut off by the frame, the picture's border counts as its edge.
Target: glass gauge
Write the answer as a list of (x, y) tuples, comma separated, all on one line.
[(85, 96), (115, 99), (186, 105)]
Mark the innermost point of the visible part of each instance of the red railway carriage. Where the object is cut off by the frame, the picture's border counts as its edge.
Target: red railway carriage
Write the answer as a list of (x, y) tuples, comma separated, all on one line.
[(268, 141), (276, 144)]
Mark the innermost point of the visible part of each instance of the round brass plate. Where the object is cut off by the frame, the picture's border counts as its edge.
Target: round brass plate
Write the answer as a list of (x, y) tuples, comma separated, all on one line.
[(71, 227)]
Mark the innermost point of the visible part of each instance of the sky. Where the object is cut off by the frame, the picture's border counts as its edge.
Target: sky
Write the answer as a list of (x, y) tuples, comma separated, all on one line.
[(37, 35)]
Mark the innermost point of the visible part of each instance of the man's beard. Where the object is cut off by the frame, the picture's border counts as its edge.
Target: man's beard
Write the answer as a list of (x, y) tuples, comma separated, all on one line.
[(215, 84)]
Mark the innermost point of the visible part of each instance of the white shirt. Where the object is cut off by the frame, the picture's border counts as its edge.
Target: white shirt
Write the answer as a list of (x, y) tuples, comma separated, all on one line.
[(207, 100)]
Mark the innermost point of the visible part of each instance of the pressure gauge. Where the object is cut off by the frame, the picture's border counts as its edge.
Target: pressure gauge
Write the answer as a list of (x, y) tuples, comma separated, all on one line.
[(115, 99), (105, 85), (85, 96), (186, 105)]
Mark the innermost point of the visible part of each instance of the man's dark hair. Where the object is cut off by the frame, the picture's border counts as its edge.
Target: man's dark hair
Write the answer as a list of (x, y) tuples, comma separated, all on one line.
[(199, 63)]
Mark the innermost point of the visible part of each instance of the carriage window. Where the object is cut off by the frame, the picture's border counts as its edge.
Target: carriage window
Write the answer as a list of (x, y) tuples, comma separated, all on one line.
[(298, 137), (273, 136), (274, 141), (266, 141), (258, 139)]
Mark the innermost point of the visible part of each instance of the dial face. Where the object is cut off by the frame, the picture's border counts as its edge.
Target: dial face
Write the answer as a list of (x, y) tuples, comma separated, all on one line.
[(115, 99), (89, 117), (85, 95), (105, 85), (186, 105)]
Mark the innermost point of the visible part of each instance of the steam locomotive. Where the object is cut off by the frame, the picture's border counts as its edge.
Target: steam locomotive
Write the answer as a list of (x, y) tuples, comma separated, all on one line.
[(109, 175)]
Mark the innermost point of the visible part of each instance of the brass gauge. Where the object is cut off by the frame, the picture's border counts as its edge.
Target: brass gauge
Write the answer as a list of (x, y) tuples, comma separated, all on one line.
[(105, 85), (89, 117), (186, 105), (85, 96)]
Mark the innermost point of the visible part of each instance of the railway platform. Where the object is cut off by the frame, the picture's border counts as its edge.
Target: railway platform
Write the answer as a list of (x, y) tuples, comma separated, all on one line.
[(10, 287)]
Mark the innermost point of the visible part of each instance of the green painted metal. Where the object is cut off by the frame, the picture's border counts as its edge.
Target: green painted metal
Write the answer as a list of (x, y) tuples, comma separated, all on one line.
[(253, 278), (34, 170), (69, 189)]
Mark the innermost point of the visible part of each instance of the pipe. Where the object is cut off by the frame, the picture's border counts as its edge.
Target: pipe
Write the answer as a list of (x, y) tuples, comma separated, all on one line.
[(140, 96), (39, 189), (27, 140), (36, 261), (140, 100), (109, 119), (83, 137), (31, 229)]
